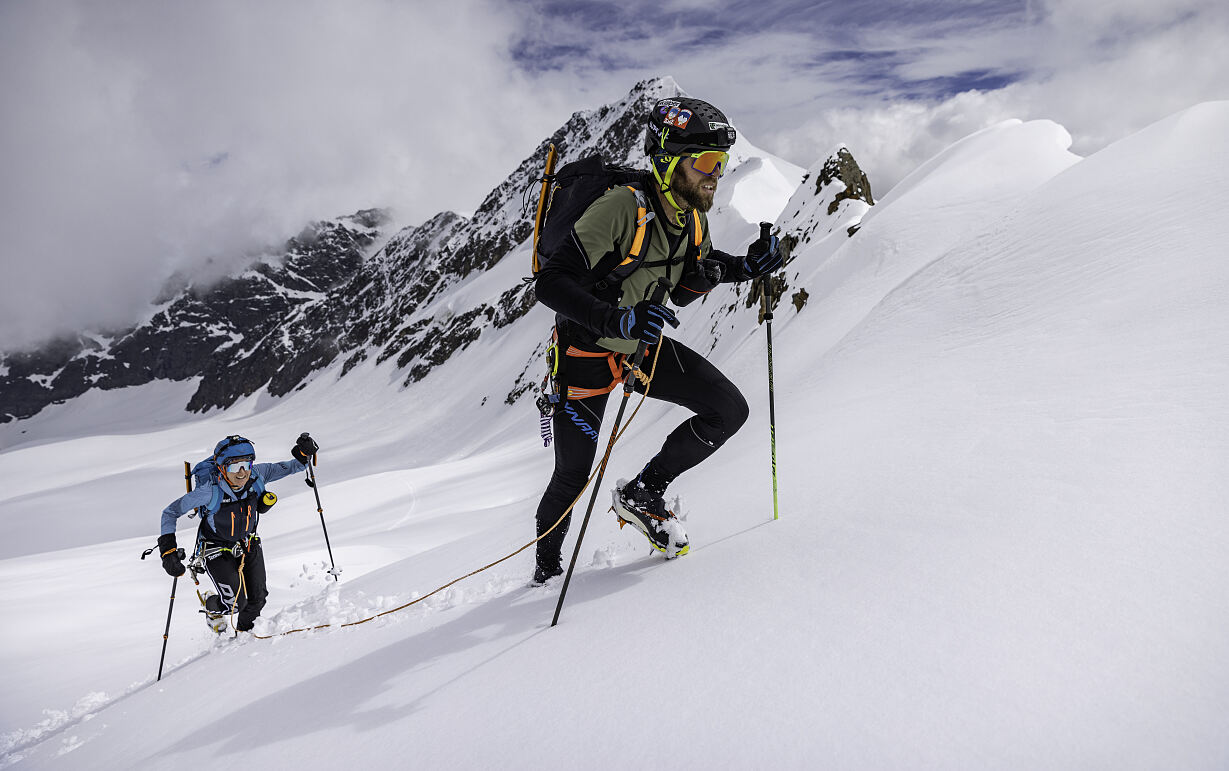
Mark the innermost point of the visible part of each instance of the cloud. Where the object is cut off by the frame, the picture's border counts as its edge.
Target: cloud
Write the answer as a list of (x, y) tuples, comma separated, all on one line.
[(1112, 69), (144, 137), (898, 81)]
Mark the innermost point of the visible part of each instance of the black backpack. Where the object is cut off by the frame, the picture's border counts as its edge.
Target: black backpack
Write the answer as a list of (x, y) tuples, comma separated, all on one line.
[(568, 193)]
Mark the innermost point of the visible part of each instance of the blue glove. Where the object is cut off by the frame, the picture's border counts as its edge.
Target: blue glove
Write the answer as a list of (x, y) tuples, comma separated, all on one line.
[(644, 322), (763, 256)]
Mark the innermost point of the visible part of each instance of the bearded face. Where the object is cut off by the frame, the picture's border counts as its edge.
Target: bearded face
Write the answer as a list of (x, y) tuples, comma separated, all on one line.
[(691, 188)]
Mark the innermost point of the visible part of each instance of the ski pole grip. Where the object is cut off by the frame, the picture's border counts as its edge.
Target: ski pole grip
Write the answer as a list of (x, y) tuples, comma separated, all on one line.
[(659, 291), (766, 281), (658, 296)]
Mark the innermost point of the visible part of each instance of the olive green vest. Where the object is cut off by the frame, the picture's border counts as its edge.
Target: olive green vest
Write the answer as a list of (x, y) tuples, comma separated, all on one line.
[(609, 224)]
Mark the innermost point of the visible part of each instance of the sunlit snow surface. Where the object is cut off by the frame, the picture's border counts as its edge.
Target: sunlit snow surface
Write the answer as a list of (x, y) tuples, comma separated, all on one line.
[(1003, 438)]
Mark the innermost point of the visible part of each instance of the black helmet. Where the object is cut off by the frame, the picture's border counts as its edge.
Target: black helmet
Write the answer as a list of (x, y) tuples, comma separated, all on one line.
[(683, 124)]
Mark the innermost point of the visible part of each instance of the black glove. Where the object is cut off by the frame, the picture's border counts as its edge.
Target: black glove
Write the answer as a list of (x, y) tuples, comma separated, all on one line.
[(698, 281), (763, 256), (304, 448), (172, 562), (644, 321), (713, 271)]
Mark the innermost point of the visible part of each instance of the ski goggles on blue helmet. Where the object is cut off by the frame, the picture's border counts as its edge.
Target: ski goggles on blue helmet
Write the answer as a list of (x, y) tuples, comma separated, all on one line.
[(235, 466)]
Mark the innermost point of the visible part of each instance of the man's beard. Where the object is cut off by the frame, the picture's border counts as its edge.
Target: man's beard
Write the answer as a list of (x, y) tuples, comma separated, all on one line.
[(690, 194)]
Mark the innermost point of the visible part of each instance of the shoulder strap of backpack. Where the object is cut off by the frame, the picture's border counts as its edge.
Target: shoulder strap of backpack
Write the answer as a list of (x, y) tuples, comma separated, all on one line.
[(215, 501), (615, 272), (613, 269), (644, 214), (692, 234), (697, 237)]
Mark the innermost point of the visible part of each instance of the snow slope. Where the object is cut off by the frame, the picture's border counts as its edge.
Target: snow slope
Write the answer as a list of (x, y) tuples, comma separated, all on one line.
[(1002, 438)]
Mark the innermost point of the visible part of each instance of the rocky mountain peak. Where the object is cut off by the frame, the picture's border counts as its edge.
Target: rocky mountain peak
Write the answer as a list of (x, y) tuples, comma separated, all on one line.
[(348, 291), (828, 206), (841, 167), (343, 288)]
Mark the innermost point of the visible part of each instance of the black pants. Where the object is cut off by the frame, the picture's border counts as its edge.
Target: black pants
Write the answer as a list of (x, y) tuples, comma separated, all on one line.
[(682, 377), (246, 597)]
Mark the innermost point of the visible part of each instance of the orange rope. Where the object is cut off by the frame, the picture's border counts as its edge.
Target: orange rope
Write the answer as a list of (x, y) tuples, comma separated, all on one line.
[(640, 376)]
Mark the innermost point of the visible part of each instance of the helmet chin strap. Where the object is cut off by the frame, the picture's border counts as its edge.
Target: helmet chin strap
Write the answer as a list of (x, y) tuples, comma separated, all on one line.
[(664, 186)]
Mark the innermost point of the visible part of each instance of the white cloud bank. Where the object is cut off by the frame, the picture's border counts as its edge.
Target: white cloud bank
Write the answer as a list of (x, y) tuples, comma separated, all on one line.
[(144, 137), (898, 82)]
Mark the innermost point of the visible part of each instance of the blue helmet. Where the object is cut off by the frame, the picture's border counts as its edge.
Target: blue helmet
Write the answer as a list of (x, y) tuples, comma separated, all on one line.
[(233, 447)]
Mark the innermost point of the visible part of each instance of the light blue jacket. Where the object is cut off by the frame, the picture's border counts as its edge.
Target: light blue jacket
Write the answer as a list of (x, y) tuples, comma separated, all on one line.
[(201, 496)]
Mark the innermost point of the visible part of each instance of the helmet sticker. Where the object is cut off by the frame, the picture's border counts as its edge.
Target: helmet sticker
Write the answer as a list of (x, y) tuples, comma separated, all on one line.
[(678, 118), (714, 125), (664, 105)]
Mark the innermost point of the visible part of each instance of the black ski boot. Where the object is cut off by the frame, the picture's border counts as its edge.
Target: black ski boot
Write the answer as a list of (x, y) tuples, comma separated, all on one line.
[(544, 573), (214, 610), (643, 508)]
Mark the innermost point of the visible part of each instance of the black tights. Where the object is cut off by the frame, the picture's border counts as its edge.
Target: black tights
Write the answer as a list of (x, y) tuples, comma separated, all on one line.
[(682, 377), (245, 597)]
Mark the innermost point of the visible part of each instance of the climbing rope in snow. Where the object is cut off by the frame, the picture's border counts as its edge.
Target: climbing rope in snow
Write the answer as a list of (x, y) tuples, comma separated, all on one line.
[(647, 380)]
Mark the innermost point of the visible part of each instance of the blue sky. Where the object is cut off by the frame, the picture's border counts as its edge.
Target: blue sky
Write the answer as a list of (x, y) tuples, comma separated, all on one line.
[(848, 48), (145, 137)]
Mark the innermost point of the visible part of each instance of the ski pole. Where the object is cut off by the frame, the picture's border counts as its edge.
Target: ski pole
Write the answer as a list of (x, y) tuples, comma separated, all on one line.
[(166, 633), (766, 300), (629, 382), (311, 482)]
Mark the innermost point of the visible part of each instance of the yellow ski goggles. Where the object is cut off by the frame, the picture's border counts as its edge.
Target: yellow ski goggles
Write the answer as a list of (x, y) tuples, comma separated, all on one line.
[(710, 163)]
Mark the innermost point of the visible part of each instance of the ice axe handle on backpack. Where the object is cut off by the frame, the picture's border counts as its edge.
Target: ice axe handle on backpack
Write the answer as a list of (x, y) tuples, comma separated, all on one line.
[(548, 176)]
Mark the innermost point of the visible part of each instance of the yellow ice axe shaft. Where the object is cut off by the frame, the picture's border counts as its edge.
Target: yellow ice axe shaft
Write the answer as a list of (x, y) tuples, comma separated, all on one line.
[(548, 177)]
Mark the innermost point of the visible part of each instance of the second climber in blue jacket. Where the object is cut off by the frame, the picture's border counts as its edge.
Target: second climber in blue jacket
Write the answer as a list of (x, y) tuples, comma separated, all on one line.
[(231, 504)]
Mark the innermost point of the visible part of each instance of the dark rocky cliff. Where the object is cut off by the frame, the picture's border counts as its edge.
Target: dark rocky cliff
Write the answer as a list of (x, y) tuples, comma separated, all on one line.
[(343, 289)]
